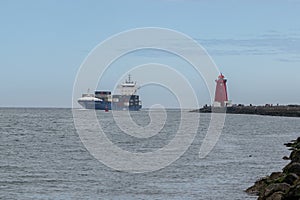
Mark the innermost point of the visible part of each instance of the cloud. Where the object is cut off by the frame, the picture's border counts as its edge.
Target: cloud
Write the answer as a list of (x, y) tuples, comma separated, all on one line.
[(285, 47), (267, 44), (289, 59)]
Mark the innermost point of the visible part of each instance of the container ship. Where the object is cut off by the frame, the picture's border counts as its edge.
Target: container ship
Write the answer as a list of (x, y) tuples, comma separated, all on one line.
[(105, 100)]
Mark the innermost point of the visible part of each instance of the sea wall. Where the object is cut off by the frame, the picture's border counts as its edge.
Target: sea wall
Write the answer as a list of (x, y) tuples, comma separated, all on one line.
[(284, 185), (288, 110)]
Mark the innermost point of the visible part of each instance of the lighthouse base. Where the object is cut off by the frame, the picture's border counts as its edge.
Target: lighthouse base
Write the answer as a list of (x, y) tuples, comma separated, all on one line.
[(222, 104)]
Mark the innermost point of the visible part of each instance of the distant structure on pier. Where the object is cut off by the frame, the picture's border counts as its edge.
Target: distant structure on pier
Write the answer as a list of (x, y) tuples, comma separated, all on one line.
[(221, 97)]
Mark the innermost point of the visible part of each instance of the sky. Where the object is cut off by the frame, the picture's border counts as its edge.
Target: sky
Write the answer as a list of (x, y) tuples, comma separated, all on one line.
[(254, 43)]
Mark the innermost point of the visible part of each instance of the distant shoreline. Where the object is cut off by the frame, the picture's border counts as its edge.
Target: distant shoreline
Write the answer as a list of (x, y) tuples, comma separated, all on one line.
[(277, 110)]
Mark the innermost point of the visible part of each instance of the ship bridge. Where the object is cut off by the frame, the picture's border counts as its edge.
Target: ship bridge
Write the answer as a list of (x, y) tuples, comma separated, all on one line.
[(129, 87)]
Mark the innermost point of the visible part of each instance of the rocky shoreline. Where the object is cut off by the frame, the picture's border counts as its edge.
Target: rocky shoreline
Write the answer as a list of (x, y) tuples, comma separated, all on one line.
[(283, 185), (277, 110)]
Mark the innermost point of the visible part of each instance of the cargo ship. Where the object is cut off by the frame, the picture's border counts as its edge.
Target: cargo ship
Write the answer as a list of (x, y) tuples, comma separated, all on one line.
[(105, 100)]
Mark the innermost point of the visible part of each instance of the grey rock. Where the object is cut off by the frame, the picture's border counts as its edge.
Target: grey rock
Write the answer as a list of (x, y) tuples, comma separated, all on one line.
[(293, 167), (276, 187), (291, 178), (276, 196)]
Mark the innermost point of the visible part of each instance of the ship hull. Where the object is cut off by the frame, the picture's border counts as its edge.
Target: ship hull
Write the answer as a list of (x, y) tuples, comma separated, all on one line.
[(102, 105), (98, 105)]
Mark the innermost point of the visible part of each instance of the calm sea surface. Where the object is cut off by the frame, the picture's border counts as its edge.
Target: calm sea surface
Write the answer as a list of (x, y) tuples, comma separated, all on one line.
[(42, 157)]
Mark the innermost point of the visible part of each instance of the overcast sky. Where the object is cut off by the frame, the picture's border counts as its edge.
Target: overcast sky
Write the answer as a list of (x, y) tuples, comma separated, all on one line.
[(254, 43)]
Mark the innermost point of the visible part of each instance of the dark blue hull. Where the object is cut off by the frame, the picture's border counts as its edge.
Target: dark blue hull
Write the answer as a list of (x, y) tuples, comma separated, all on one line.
[(98, 105), (131, 108), (104, 105)]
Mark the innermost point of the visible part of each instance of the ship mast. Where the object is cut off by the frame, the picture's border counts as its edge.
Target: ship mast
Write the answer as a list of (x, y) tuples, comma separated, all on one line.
[(129, 78)]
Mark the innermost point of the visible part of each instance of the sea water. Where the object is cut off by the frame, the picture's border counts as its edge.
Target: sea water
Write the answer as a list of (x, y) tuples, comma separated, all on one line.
[(42, 157)]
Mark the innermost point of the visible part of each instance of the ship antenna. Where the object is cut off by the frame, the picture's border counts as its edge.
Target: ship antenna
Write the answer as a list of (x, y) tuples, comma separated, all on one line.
[(129, 78)]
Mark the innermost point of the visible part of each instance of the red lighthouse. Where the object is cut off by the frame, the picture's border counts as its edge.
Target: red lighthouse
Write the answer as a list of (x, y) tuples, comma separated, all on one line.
[(221, 98)]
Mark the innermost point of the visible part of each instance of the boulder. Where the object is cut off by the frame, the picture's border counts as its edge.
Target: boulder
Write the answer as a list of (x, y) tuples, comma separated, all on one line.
[(275, 175), (276, 187), (285, 158), (295, 156), (293, 167), (290, 144), (258, 188), (276, 196), (294, 193), (290, 178)]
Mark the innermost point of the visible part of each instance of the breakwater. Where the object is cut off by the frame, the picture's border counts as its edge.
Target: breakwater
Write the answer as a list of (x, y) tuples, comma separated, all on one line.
[(283, 185), (278, 110)]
